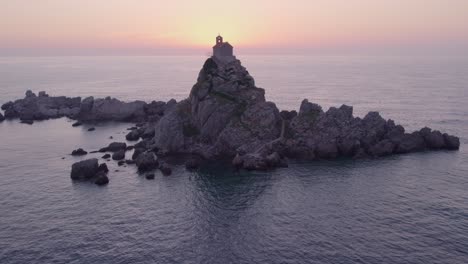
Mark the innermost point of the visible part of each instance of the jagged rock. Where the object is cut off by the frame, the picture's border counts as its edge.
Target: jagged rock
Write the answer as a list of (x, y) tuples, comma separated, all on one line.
[(111, 109), (79, 152), (288, 115), (43, 94), (452, 142), (85, 169), (433, 139), (310, 109), (30, 94), (101, 179), (106, 156), (147, 161), (118, 155), (165, 169)]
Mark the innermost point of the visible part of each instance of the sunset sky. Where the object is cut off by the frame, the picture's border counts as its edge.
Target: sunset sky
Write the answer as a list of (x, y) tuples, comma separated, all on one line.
[(75, 27)]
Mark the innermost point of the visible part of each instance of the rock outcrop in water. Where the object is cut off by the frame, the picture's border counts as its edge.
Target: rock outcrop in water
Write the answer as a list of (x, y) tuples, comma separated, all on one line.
[(90, 170), (227, 116), (43, 106)]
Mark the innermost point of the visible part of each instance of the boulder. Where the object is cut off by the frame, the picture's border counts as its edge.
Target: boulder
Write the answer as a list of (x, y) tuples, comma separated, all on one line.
[(134, 135), (147, 161), (79, 152), (106, 156), (85, 169), (91, 129), (118, 155), (114, 147), (101, 179), (2, 118)]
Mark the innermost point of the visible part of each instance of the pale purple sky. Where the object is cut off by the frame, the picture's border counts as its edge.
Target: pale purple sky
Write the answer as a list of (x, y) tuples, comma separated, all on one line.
[(123, 27)]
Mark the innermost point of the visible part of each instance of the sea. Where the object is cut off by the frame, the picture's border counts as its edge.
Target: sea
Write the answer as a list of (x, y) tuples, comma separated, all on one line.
[(401, 209)]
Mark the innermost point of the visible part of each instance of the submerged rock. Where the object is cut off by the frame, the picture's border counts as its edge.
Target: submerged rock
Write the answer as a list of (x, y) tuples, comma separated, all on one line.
[(150, 176), (79, 152), (76, 124)]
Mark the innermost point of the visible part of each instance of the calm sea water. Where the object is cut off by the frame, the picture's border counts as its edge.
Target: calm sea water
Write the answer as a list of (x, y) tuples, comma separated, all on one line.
[(403, 209)]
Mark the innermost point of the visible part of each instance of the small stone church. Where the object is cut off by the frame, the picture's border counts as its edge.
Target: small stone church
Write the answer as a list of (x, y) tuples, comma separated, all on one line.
[(223, 50)]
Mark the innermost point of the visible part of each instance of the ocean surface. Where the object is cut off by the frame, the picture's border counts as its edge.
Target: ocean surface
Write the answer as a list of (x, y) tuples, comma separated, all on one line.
[(400, 209)]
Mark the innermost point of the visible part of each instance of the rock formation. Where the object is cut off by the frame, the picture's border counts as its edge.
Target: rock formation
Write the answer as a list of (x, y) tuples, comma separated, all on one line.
[(226, 116)]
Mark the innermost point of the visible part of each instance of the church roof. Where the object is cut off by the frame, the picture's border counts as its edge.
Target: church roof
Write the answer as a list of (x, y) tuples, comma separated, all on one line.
[(222, 45)]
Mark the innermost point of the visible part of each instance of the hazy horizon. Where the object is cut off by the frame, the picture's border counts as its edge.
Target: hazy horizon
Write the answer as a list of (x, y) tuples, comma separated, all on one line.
[(123, 27)]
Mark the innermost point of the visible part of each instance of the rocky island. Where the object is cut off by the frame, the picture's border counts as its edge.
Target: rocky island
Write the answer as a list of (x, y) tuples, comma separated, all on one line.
[(226, 116)]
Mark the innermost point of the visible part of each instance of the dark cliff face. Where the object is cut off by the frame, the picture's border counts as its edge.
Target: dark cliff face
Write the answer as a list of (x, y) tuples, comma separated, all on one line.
[(224, 111)]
